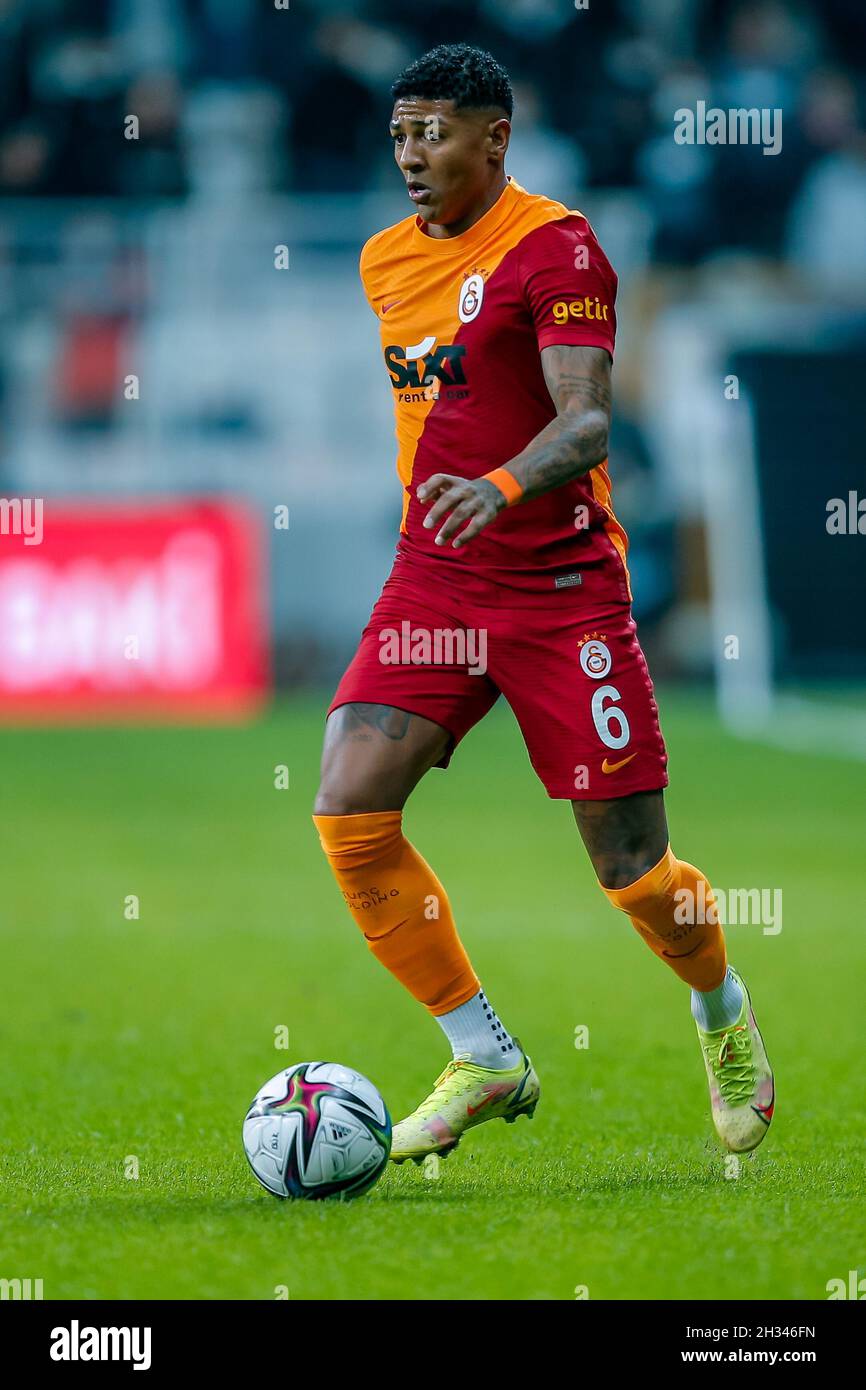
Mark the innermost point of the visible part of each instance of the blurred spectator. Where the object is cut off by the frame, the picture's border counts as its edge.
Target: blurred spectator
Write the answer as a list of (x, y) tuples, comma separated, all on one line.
[(678, 178), (337, 121), (826, 236), (540, 158), (768, 50)]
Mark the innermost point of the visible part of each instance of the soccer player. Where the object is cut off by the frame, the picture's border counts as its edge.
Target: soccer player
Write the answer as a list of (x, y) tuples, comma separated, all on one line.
[(496, 311)]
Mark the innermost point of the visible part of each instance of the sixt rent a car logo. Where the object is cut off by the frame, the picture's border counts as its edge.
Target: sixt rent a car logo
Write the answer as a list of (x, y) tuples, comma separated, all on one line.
[(585, 308), (424, 364)]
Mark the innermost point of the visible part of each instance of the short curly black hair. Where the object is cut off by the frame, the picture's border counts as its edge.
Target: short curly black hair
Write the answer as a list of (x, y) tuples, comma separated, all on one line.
[(456, 72)]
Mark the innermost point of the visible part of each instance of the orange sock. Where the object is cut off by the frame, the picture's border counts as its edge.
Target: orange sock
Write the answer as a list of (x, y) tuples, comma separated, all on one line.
[(673, 908), (400, 906)]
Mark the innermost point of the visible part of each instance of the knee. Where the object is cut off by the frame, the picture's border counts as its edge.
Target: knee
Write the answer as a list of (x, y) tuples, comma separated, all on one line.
[(347, 796), (349, 791), (328, 800), (331, 801), (340, 793)]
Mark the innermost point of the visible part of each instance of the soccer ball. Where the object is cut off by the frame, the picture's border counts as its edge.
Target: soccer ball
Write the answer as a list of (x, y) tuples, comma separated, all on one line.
[(317, 1130)]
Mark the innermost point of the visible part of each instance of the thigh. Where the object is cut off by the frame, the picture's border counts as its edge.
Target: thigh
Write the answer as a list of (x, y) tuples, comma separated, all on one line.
[(373, 757), (415, 686), (579, 686), (417, 654)]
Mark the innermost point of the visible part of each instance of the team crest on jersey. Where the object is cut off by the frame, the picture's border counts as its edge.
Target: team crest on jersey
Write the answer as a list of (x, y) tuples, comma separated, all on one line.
[(471, 298), (595, 657)]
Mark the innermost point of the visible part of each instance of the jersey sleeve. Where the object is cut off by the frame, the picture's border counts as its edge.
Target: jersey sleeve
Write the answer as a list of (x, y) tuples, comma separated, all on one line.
[(568, 286)]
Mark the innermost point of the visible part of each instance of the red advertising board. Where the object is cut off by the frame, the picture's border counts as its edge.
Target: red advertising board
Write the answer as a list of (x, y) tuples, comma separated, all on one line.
[(132, 610)]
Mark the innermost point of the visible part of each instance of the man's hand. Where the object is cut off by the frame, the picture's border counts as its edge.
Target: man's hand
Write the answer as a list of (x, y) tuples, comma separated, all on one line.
[(468, 500)]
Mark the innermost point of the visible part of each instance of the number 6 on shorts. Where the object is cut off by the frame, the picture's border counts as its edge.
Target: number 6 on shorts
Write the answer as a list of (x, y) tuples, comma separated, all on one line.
[(603, 717)]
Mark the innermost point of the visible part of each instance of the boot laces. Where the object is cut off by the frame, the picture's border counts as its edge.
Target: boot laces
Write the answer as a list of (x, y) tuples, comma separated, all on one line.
[(733, 1068)]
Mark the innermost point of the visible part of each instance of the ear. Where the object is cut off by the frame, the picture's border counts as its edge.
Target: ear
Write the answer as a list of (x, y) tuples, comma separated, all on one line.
[(498, 136)]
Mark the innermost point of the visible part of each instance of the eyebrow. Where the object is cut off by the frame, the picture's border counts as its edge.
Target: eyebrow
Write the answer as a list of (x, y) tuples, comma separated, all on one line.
[(415, 120)]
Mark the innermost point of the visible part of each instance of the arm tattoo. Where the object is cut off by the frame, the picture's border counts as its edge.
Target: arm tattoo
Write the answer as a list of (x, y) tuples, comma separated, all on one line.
[(578, 379), (588, 388)]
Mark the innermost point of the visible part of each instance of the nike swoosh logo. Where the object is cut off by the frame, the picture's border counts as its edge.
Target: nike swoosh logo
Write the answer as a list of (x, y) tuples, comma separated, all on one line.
[(681, 955), (615, 767), (496, 1093), (392, 305), (765, 1112)]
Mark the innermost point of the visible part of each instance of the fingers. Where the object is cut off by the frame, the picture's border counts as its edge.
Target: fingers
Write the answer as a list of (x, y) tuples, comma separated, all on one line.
[(428, 491), (461, 514), (458, 500), (478, 522), (450, 492)]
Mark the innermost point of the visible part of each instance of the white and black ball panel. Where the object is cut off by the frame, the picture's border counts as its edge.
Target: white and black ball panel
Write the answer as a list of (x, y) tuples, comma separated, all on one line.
[(268, 1140), (343, 1148)]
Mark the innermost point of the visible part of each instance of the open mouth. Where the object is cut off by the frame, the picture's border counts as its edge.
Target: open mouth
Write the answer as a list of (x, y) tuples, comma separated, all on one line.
[(418, 192)]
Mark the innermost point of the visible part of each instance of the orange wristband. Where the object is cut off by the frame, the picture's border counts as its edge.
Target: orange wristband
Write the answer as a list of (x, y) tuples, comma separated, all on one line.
[(507, 484)]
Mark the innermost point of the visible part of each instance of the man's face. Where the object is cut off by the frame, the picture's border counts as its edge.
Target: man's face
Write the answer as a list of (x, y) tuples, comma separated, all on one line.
[(446, 156)]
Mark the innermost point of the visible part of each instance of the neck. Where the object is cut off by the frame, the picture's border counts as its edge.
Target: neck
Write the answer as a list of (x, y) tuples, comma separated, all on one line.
[(493, 194)]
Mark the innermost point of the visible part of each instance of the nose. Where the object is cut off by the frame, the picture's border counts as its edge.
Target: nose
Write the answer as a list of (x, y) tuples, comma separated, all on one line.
[(411, 156)]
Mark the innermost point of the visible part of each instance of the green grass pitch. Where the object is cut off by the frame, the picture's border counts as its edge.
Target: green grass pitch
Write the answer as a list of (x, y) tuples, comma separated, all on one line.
[(145, 1040)]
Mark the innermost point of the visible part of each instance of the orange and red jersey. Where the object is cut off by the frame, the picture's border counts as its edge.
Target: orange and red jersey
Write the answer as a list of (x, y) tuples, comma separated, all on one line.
[(463, 321)]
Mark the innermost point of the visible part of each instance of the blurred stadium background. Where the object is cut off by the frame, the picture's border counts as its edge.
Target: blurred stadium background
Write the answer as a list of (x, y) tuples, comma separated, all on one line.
[(156, 352)]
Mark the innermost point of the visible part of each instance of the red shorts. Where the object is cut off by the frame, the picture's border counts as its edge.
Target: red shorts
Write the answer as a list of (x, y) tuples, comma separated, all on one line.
[(571, 668)]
